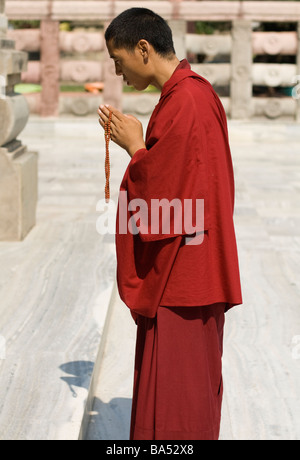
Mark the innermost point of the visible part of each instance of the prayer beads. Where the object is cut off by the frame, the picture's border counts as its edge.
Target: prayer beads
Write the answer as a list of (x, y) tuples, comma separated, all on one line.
[(107, 134)]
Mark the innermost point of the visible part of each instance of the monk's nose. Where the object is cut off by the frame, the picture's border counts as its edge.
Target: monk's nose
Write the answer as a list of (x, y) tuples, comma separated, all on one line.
[(118, 70)]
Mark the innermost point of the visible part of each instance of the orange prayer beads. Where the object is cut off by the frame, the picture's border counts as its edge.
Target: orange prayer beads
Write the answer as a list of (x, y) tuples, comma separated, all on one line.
[(107, 134)]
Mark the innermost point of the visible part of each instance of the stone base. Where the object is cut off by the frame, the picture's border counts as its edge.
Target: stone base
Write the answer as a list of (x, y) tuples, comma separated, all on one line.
[(18, 191)]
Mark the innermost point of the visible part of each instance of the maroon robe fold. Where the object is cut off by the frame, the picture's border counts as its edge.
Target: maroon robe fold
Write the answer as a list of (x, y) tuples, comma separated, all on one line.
[(187, 157), (178, 386)]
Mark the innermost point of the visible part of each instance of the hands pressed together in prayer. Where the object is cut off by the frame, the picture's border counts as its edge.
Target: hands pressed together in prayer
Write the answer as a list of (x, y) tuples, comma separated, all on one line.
[(126, 130)]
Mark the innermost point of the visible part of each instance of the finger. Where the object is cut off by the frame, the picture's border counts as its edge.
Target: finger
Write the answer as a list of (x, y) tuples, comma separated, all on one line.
[(115, 112), (101, 115), (101, 123), (105, 110), (104, 116)]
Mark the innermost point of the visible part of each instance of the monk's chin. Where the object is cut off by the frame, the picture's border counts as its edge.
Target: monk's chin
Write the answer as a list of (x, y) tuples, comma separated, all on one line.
[(139, 87)]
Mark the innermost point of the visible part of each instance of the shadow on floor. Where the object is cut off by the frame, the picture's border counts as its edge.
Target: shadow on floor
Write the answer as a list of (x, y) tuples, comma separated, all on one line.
[(109, 421), (80, 375)]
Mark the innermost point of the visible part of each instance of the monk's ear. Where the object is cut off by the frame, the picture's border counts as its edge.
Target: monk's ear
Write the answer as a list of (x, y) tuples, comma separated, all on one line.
[(144, 48)]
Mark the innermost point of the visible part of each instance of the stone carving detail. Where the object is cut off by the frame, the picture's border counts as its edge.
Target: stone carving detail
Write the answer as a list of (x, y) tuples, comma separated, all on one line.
[(80, 106), (273, 75), (210, 73), (26, 40), (81, 71), (81, 42), (69, 42), (73, 71), (211, 46), (273, 43), (273, 109), (216, 74)]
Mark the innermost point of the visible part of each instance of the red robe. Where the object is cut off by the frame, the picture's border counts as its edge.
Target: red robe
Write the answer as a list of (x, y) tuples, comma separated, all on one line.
[(178, 385), (187, 156)]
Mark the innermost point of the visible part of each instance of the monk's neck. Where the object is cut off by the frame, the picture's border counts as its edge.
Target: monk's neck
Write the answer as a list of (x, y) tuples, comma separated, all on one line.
[(163, 71)]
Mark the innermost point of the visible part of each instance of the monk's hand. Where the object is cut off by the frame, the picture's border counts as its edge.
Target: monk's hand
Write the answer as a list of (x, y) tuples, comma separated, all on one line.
[(126, 130)]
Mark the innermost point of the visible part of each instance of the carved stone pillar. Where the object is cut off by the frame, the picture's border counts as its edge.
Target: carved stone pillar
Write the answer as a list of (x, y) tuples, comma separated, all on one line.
[(179, 30), (18, 167), (50, 68), (113, 85), (241, 78)]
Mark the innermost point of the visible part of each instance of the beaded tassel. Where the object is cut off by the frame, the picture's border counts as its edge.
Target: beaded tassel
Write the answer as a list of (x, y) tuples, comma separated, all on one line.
[(107, 133)]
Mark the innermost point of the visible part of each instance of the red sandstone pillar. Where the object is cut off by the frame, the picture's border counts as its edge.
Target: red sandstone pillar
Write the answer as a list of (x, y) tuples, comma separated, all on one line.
[(113, 85), (50, 68)]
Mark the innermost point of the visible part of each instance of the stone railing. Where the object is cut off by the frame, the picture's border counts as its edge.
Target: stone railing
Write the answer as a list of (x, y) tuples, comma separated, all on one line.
[(239, 73), (188, 10), (71, 63)]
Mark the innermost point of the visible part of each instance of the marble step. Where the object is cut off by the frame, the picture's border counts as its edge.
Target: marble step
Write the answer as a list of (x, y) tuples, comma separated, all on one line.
[(94, 382), (109, 416)]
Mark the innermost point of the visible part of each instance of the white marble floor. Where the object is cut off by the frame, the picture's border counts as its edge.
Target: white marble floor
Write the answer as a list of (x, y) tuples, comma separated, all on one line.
[(55, 287), (262, 338)]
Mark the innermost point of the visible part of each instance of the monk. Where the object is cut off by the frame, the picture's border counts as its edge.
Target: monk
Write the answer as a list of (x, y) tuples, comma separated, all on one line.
[(178, 280)]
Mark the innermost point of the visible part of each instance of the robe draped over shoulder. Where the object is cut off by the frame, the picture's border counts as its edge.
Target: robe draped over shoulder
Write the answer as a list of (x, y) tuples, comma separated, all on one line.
[(187, 158)]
